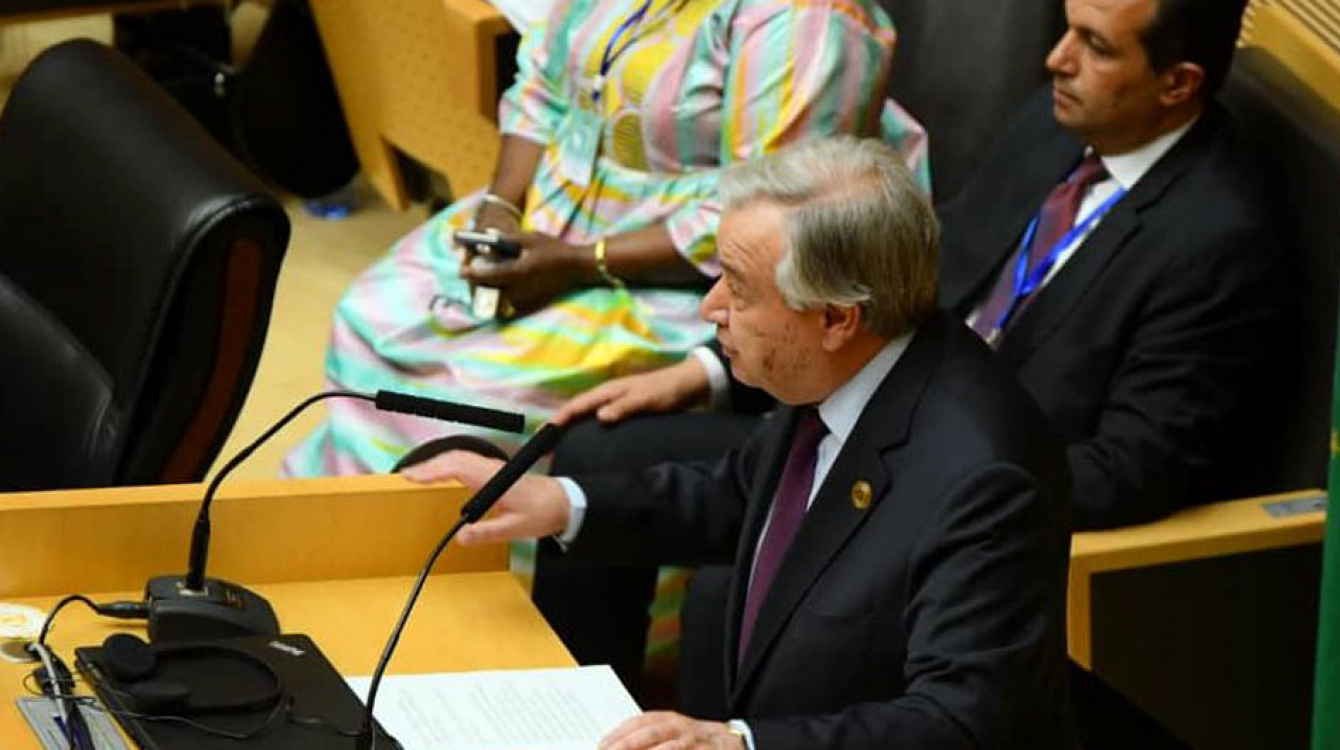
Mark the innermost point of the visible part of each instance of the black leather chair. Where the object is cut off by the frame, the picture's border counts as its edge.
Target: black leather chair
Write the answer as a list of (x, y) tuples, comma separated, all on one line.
[(1295, 135), (1231, 664), (963, 67), (55, 7), (137, 269)]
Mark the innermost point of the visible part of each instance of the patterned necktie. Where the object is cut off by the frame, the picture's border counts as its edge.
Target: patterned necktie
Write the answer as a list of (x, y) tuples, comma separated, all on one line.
[(788, 510), (1054, 220)]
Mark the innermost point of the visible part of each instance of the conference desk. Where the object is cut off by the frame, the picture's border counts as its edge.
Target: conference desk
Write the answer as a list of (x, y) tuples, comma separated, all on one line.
[(335, 557)]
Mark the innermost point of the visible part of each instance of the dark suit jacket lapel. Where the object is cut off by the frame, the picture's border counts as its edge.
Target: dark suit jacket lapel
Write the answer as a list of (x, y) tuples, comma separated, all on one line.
[(999, 213), (1054, 302), (832, 519)]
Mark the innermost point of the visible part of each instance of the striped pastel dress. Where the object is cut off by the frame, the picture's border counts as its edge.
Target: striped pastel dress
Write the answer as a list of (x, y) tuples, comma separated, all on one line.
[(701, 84)]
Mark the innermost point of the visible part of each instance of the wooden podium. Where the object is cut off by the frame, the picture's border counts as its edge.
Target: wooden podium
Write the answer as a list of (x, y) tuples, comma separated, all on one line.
[(336, 558)]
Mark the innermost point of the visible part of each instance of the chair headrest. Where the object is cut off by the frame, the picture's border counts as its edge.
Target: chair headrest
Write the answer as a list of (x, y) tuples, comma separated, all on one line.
[(1294, 137), (55, 403)]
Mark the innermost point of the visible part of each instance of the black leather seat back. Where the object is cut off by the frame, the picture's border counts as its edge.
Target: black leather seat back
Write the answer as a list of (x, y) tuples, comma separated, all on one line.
[(963, 67), (144, 241), (1295, 137), (17, 7), (61, 427)]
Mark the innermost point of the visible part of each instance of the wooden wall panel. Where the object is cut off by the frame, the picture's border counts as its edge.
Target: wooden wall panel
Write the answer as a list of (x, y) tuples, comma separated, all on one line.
[(419, 76)]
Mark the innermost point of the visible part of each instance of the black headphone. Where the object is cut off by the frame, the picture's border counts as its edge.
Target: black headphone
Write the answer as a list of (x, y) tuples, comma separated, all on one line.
[(462, 442), (132, 663)]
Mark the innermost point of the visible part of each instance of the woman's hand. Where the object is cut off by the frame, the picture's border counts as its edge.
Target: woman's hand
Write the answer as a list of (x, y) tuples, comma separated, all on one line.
[(546, 268), (496, 217)]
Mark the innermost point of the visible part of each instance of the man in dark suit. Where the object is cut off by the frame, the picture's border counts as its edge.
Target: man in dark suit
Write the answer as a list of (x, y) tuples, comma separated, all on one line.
[(1139, 336), (898, 528)]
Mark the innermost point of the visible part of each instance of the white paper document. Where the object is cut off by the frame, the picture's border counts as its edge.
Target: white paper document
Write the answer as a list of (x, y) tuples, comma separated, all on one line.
[(534, 709)]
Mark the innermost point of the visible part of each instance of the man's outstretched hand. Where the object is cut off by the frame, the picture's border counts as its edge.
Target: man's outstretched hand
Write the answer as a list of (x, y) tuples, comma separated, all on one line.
[(535, 506)]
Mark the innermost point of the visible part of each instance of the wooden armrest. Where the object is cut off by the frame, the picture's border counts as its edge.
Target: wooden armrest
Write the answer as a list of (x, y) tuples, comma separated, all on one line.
[(1216, 530), (419, 77), (479, 25), (1224, 528)]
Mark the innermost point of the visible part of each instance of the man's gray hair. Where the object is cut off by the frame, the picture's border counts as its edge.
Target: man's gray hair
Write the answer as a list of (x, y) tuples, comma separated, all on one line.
[(860, 231)]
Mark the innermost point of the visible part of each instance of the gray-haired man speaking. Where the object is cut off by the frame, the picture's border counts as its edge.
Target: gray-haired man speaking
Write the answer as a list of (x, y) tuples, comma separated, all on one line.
[(898, 529)]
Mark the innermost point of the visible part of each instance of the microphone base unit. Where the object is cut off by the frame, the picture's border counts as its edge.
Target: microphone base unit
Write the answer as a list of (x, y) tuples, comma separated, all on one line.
[(221, 610)]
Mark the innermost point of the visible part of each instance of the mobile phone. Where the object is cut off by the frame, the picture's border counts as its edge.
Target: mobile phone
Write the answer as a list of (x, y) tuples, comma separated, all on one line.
[(488, 244)]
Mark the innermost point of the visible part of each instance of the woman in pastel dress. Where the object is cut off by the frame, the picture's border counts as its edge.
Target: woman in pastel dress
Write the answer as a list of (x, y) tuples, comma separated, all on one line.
[(622, 114)]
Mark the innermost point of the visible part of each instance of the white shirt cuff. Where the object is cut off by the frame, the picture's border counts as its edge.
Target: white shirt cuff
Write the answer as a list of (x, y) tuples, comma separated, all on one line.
[(743, 728), (576, 510), (718, 379)]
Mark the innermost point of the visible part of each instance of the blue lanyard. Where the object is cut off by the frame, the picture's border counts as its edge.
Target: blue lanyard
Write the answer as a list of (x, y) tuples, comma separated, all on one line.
[(607, 59), (1026, 283)]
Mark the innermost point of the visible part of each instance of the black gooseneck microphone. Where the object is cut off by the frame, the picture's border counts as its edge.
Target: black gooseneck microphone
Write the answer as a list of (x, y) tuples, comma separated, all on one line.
[(541, 443), (196, 607)]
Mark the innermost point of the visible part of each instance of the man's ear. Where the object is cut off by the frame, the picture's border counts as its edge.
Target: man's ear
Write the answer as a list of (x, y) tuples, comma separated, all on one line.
[(1182, 82), (841, 324)]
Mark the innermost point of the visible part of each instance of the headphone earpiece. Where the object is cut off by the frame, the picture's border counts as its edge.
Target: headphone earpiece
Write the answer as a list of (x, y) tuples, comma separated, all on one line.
[(133, 665), (127, 658)]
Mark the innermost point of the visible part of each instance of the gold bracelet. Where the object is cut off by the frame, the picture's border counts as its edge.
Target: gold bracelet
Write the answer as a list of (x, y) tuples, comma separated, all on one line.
[(494, 199), (602, 268)]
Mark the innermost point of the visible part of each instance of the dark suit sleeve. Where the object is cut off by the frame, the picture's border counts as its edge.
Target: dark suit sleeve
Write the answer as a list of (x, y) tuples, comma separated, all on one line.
[(744, 399), (986, 585), (1189, 357), (686, 513)]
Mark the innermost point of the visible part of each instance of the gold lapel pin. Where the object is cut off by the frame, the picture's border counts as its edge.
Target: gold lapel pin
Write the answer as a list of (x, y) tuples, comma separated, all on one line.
[(861, 494)]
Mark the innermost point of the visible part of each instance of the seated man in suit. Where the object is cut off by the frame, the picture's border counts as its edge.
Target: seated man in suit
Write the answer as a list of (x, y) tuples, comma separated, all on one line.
[(899, 527), (1110, 248)]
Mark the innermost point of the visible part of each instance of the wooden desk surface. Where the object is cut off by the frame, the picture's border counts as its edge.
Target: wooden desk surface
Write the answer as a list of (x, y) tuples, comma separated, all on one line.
[(335, 557), (464, 621)]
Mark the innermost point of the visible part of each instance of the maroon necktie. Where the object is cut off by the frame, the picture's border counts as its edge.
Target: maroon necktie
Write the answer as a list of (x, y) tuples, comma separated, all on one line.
[(1054, 220), (788, 510)]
